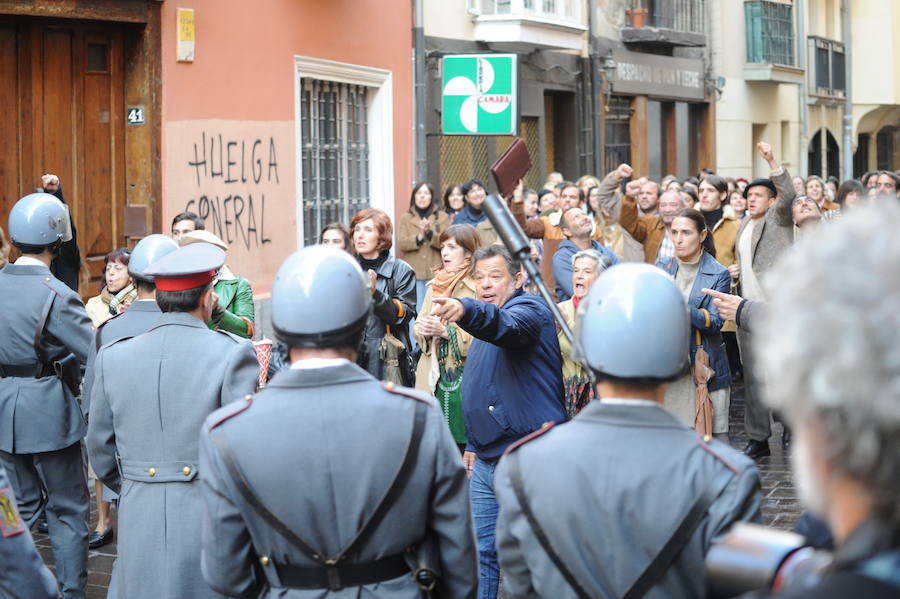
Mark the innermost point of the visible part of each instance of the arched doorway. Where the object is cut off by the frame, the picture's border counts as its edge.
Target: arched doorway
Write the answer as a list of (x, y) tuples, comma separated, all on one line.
[(827, 148), (887, 148)]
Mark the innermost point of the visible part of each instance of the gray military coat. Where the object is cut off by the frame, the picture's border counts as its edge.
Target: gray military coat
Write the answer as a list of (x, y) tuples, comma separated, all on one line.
[(38, 415), (142, 316), (320, 447), (609, 488), (21, 567), (150, 396)]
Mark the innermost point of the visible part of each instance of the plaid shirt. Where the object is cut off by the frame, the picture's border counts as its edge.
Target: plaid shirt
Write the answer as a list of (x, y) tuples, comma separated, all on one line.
[(666, 248)]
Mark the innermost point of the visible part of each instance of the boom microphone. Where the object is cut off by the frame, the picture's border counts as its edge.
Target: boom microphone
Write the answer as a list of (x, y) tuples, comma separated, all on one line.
[(514, 239)]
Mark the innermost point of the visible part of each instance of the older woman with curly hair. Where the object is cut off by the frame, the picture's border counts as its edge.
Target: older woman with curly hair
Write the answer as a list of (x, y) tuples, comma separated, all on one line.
[(393, 287), (118, 290)]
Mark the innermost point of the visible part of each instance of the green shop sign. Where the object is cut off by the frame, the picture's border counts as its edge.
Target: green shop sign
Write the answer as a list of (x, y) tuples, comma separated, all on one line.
[(480, 95)]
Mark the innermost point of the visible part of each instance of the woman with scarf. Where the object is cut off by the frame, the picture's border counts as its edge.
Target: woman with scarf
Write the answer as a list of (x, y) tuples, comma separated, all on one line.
[(393, 284), (445, 346), (115, 297), (418, 234), (586, 267), (118, 291)]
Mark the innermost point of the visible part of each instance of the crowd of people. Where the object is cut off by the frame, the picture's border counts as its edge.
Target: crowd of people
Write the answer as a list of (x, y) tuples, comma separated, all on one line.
[(449, 320)]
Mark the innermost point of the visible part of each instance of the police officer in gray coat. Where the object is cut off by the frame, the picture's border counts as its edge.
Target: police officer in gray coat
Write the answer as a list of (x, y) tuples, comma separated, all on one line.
[(22, 570), (150, 396), (374, 498), (624, 500), (144, 312), (46, 335)]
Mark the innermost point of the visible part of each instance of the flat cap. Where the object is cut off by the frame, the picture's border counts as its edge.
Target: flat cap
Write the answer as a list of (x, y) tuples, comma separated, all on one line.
[(202, 235), (188, 267), (765, 183)]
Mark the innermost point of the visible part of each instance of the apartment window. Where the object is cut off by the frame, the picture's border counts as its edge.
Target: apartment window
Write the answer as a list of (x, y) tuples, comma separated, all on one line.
[(770, 32), (617, 148), (827, 75), (344, 132), (334, 153)]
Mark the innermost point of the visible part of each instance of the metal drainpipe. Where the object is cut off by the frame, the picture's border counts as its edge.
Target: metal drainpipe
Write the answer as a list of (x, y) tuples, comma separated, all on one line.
[(803, 165), (419, 90), (595, 91), (846, 27)]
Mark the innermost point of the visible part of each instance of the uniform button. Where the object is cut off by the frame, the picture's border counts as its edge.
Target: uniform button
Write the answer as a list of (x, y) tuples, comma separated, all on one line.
[(151, 471), (545, 425), (248, 397), (46, 278), (264, 560), (707, 438), (490, 408), (389, 386), (186, 470)]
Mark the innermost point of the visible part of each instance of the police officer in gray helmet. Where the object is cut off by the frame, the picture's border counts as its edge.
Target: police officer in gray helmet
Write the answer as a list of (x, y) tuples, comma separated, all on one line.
[(149, 398), (375, 504), (144, 312), (624, 500), (46, 336)]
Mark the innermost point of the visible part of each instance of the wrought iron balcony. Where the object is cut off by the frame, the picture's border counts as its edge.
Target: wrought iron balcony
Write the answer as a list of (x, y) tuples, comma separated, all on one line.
[(667, 22), (770, 36), (827, 68), (530, 23)]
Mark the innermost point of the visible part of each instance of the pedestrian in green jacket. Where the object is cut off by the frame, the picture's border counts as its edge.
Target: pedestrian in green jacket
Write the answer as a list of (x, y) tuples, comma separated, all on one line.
[(235, 312)]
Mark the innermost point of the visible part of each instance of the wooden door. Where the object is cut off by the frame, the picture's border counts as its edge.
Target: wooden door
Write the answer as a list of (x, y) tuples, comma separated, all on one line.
[(62, 112)]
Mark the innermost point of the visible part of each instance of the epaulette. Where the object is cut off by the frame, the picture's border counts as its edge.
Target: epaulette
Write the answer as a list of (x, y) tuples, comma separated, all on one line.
[(530, 437), (48, 281), (392, 388), (98, 342), (230, 335), (703, 442), (239, 406)]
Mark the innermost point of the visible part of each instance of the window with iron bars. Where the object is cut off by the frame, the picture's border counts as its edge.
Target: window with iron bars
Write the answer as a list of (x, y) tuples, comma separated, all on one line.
[(679, 15), (617, 146), (770, 32), (827, 75), (334, 153)]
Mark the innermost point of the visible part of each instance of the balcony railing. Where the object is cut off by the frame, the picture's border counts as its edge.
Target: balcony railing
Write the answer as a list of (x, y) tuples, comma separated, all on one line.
[(770, 32), (827, 74), (678, 15), (555, 10)]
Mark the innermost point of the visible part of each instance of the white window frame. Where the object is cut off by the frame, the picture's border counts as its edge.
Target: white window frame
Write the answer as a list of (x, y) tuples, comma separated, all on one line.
[(380, 123)]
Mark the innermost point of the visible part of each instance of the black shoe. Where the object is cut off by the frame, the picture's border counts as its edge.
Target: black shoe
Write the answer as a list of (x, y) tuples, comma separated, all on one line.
[(786, 438), (99, 539), (43, 527), (757, 449)]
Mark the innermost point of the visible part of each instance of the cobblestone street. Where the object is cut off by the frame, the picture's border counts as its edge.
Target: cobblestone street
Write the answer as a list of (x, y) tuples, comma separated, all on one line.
[(780, 507)]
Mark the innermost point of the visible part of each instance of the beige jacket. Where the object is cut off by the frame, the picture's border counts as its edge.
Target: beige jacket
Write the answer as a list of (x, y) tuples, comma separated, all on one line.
[(427, 371), (423, 258)]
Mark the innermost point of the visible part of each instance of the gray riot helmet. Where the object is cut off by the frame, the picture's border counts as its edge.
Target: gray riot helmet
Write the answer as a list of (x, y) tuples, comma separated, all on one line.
[(147, 251), (39, 220), (320, 298), (633, 324)]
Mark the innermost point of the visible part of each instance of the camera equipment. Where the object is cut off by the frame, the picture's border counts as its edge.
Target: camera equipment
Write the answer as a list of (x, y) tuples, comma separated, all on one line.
[(753, 557)]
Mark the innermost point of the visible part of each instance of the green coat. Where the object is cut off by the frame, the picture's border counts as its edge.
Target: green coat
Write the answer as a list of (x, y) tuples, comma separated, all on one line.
[(236, 297)]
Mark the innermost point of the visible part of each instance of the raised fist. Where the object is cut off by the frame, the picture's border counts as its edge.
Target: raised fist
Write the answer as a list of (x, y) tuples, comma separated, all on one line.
[(765, 150), (633, 188), (623, 172)]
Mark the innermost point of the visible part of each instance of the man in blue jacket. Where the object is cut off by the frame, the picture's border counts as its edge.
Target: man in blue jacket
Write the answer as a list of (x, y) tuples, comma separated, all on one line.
[(576, 225), (512, 384)]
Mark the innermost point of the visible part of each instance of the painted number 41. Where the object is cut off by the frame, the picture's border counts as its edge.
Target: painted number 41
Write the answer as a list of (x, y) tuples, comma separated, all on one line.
[(135, 115)]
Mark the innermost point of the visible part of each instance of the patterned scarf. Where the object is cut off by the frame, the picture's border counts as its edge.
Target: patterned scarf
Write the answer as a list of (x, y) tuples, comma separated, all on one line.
[(445, 281), (127, 293)]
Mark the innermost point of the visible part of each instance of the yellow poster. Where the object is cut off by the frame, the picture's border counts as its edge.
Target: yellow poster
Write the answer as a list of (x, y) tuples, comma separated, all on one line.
[(186, 35)]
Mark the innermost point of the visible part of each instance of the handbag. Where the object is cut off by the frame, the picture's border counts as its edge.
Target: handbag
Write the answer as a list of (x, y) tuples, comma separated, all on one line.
[(397, 359), (448, 390)]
